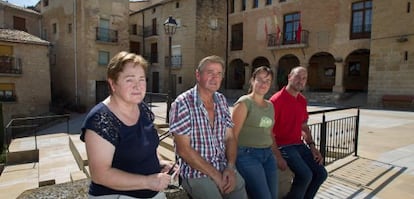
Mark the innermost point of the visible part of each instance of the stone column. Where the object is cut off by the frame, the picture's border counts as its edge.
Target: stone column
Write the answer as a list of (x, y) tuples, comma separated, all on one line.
[(339, 78), (247, 75)]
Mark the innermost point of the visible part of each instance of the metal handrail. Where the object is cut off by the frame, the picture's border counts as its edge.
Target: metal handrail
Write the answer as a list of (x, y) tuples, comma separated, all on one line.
[(336, 138), (30, 122)]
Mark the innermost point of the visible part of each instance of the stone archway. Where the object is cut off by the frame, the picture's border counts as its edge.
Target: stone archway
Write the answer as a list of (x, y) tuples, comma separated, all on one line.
[(321, 72), (236, 74), (286, 63), (356, 70), (260, 61)]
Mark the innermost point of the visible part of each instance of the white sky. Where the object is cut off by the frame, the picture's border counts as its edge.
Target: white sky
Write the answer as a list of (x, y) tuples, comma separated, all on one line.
[(22, 3)]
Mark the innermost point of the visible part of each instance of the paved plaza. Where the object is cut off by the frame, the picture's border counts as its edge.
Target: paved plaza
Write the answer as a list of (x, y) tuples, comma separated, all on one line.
[(384, 167)]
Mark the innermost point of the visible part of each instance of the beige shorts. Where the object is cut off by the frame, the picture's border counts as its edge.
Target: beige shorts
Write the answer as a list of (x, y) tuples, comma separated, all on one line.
[(160, 195)]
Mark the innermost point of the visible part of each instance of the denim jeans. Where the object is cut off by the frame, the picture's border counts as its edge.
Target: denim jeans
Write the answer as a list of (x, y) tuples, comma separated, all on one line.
[(309, 175), (259, 170)]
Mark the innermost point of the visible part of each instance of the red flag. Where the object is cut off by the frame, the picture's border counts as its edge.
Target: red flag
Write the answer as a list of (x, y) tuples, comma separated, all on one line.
[(277, 28), (298, 33)]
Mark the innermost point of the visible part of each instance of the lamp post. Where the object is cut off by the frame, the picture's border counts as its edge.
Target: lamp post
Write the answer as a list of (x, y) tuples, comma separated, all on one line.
[(170, 25)]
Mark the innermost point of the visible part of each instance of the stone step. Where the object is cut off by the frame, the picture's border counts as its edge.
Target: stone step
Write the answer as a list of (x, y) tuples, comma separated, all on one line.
[(78, 150), (168, 143), (77, 175), (15, 179), (56, 160), (166, 153)]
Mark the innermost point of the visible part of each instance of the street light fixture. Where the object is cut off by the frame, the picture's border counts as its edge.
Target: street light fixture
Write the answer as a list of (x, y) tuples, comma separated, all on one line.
[(170, 25)]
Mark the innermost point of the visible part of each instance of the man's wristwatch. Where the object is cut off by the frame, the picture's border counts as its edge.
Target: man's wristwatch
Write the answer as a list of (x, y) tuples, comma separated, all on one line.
[(231, 166)]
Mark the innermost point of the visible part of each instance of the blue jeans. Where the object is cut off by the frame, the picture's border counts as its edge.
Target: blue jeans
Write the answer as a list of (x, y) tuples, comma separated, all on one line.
[(309, 175), (259, 170)]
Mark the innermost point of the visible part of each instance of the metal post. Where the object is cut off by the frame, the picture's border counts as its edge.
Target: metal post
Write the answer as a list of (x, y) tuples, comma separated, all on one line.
[(169, 97), (356, 133), (323, 138)]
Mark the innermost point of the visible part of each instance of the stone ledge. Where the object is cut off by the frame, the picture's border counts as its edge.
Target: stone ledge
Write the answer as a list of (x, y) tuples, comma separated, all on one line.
[(79, 190)]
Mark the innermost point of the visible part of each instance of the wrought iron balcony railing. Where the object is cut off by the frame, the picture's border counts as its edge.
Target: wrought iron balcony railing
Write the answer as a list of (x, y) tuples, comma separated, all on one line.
[(106, 35), (288, 39), (10, 65), (151, 58), (176, 61), (150, 31), (11, 98)]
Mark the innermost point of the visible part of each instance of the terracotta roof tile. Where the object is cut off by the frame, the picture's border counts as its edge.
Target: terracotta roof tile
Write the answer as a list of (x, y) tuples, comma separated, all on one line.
[(20, 37)]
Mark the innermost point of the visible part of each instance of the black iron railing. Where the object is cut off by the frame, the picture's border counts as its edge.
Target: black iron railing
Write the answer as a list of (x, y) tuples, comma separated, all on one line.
[(150, 31), (336, 137), (106, 35), (176, 61), (29, 126), (288, 38), (10, 65)]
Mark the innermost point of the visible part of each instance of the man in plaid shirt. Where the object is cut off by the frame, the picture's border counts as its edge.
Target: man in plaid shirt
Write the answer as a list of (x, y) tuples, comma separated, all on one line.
[(201, 123)]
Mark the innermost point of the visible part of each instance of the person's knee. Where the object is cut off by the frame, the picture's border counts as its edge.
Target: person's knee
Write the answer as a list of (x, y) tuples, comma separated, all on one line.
[(323, 175), (304, 177)]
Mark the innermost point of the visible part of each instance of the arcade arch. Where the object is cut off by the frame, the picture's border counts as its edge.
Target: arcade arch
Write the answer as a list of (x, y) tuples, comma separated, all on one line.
[(286, 63), (356, 71), (236, 74), (321, 72)]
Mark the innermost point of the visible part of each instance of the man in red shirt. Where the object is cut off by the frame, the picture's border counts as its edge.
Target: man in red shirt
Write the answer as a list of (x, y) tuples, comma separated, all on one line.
[(291, 132)]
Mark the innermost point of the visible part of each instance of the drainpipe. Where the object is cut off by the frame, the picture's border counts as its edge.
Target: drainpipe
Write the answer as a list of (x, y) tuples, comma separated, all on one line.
[(75, 51), (227, 47)]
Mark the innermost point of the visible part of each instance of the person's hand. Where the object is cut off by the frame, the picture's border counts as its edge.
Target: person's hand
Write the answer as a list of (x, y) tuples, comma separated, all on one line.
[(229, 179), (168, 166), (317, 155), (281, 164), (158, 181), (218, 179)]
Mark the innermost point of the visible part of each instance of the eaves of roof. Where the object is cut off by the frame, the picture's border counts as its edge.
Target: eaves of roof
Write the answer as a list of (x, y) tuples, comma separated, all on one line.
[(6, 4), (18, 36)]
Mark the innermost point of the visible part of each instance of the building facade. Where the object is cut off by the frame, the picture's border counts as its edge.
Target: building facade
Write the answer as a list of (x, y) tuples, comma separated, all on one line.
[(391, 70), (200, 32), (84, 36), (24, 64), (347, 45)]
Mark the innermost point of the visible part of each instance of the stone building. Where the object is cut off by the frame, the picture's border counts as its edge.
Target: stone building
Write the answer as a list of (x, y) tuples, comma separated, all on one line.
[(348, 45), (24, 64), (333, 39), (391, 69), (200, 32), (316, 34), (84, 36)]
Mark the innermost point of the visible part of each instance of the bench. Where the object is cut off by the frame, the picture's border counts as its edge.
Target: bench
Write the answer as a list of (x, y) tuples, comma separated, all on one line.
[(398, 101)]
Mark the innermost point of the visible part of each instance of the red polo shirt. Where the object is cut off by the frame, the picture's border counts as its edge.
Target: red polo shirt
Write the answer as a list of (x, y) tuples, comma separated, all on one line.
[(290, 113)]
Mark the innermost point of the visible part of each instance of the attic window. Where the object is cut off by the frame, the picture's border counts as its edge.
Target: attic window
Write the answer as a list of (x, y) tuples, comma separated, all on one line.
[(45, 3)]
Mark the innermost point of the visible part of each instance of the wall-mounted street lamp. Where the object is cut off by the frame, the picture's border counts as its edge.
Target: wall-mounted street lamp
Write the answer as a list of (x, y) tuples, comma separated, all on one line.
[(170, 25)]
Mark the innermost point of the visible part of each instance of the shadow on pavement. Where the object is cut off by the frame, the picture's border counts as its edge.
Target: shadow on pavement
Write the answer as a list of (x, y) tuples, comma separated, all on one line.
[(359, 178)]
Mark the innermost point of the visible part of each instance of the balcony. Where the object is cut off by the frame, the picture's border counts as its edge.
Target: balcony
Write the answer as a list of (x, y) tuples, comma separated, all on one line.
[(151, 58), (106, 35), (288, 40), (10, 65), (150, 31), (176, 61), (8, 98)]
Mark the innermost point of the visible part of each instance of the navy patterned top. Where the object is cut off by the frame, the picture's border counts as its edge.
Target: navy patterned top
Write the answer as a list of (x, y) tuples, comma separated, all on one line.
[(135, 146)]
